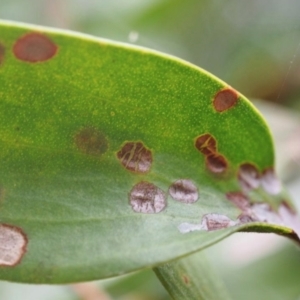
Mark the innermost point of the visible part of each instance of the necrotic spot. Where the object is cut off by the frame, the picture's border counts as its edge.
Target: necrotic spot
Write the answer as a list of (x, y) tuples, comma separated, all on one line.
[(135, 157), (91, 141), (13, 244), (248, 177), (2, 53), (225, 100), (289, 217), (263, 212), (239, 199), (206, 144), (147, 198), (270, 182), (184, 190), (246, 217), (34, 47), (216, 221), (216, 163)]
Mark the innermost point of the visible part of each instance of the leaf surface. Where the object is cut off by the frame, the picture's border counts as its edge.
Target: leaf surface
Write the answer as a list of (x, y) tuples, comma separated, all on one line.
[(114, 158)]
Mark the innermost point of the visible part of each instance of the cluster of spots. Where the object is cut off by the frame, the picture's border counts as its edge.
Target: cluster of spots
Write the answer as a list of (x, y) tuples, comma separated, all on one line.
[(147, 198), (91, 141), (225, 99), (251, 212), (249, 178), (207, 145), (2, 53), (34, 47), (135, 157), (262, 212), (184, 190), (13, 243)]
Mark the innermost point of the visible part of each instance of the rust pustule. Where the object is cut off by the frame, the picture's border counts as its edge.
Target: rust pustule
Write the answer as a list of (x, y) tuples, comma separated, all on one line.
[(34, 47), (206, 144), (13, 244), (135, 157), (91, 141), (147, 198), (225, 99)]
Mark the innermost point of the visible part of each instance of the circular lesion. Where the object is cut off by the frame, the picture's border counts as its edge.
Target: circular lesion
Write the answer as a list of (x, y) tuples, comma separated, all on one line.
[(147, 198), (91, 141), (225, 99), (184, 190), (135, 157), (34, 47), (13, 244)]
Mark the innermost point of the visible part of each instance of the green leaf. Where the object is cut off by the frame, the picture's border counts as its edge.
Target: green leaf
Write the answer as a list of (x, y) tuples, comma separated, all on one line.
[(273, 277), (115, 158), (190, 278)]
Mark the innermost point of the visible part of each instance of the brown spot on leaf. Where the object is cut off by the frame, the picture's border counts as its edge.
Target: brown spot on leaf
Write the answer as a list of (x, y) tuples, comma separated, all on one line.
[(216, 221), (225, 99), (185, 279), (34, 47), (249, 177), (91, 141), (247, 217), (184, 190), (239, 199), (270, 182), (135, 157), (147, 198), (216, 163), (2, 53), (206, 144), (13, 244)]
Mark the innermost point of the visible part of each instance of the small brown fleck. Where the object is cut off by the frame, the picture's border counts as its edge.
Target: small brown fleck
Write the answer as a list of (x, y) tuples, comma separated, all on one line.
[(34, 47), (239, 199), (270, 182), (184, 190), (225, 99), (13, 243), (147, 198), (91, 141), (2, 53), (249, 177), (185, 279), (206, 144), (216, 163), (216, 221), (135, 157)]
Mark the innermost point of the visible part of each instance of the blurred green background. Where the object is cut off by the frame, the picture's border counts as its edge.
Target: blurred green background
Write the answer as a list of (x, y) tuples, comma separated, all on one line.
[(252, 45)]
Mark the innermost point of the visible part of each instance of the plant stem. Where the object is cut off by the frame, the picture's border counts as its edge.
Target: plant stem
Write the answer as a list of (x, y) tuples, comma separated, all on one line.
[(191, 278)]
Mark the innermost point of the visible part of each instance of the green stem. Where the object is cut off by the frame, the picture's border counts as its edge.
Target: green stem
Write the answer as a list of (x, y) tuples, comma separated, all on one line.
[(191, 278)]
